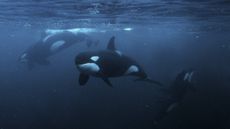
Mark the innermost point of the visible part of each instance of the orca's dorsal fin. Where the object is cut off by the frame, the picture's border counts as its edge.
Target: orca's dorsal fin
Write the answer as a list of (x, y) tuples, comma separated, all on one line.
[(111, 44)]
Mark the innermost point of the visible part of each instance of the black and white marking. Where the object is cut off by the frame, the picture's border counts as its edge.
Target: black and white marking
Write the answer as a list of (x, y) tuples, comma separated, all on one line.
[(108, 63)]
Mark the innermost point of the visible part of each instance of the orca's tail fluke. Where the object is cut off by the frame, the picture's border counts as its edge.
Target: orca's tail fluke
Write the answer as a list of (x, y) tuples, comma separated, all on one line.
[(149, 81)]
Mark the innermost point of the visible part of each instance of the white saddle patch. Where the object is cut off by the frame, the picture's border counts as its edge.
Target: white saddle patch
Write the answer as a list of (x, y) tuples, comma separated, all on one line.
[(132, 69), (55, 46), (95, 58), (89, 67), (47, 37), (118, 52)]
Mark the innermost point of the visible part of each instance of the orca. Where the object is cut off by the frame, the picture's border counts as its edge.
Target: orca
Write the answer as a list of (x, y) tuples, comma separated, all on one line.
[(51, 44), (108, 63), (183, 83)]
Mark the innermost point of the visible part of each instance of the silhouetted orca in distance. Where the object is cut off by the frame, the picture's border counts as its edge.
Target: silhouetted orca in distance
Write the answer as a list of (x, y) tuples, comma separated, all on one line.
[(183, 82), (108, 63), (51, 44)]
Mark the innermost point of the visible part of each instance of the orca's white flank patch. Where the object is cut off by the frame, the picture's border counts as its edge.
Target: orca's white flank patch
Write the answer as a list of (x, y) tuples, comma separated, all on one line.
[(89, 67), (95, 58), (132, 69), (55, 46), (118, 52)]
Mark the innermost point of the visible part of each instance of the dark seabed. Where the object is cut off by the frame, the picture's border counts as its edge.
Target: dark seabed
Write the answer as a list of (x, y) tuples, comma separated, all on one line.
[(164, 36)]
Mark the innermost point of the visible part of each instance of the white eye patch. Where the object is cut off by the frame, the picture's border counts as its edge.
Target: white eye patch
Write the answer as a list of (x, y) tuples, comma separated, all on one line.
[(132, 69), (57, 45), (95, 58), (89, 67)]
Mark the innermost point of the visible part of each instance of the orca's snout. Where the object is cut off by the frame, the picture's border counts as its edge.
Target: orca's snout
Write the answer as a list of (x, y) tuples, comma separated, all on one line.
[(79, 60), (82, 58)]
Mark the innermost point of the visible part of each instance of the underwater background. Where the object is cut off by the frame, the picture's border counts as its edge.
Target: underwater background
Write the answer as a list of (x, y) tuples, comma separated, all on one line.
[(164, 36)]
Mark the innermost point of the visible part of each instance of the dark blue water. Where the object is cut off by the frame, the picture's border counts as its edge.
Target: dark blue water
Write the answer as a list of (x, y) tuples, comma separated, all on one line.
[(164, 36)]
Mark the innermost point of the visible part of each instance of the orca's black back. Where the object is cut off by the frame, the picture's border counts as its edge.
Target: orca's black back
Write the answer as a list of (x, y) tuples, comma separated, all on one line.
[(112, 64), (68, 37)]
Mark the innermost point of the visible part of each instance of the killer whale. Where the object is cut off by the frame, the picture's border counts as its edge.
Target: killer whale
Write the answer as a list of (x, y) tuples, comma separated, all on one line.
[(50, 44), (108, 63), (183, 83)]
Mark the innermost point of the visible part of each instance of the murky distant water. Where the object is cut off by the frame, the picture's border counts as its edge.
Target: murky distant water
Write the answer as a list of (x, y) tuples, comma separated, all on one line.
[(165, 36)]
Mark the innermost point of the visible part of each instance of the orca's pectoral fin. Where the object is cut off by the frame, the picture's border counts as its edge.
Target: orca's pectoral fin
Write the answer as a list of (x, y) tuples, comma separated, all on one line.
[(149, 81), (83, 79), (106, 80)]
